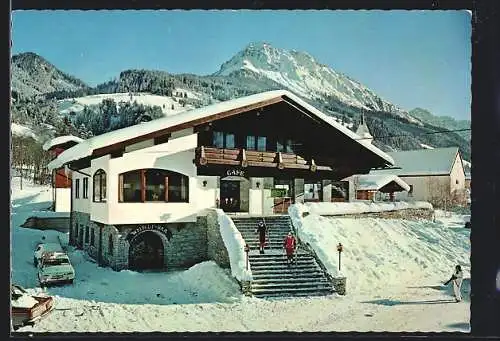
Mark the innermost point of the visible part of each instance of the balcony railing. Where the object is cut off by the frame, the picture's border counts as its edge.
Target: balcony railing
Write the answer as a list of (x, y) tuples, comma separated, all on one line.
[(245, 158)]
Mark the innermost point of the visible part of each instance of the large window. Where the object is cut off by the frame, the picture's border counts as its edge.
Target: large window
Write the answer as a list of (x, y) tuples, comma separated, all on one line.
[(261, 143), (153, 185), (284, 145), (313, 191), (100, 186), (218, 139), (251, 142), (224, 140)]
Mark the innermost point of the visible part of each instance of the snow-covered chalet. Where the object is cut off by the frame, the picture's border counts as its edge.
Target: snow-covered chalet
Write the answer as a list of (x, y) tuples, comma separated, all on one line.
[(143, 191)]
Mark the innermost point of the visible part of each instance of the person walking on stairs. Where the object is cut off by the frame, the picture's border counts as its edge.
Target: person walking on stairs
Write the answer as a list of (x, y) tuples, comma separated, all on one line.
[(289, 244), (262, 231), (457, 279)]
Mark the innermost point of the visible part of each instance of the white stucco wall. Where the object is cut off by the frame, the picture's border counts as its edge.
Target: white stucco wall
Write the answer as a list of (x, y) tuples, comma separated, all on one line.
[(205, 196), (177, 156), (62, 200), (255, 201), (82, 204)]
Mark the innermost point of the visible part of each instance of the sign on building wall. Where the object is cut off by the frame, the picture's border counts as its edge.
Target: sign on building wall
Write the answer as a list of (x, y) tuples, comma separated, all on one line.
[(235, 172), (149, 227)]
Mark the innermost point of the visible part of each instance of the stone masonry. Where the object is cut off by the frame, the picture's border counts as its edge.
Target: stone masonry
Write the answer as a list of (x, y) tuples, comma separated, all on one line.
[(184, 246), (216, 250)]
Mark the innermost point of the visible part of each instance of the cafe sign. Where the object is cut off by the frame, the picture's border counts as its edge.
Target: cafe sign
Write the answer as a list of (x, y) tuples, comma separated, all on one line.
[(149, 227), (235, 172)]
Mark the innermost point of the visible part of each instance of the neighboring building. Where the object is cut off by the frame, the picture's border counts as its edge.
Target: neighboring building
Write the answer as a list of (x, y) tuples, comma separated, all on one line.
[(61, 178), (434, 175), (144, 190), (377, 187)]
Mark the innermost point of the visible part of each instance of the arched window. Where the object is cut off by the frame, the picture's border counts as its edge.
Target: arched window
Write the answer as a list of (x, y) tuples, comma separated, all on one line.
[(153, 185), (100, 186), (110, 244)]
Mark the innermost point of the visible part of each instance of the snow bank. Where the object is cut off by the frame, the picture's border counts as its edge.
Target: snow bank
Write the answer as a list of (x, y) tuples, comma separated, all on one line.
[(20, 130), (235, 245), (50, 214), (381, 253), (24, 301), (358, 207)]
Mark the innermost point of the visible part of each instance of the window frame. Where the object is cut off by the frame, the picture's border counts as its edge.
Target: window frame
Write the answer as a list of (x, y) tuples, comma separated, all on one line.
[(100, 175), (167, 181), (77, 188), (85, 188)]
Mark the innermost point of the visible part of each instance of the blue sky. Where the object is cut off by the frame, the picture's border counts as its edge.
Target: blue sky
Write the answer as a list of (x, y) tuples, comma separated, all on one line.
[(410, 58)]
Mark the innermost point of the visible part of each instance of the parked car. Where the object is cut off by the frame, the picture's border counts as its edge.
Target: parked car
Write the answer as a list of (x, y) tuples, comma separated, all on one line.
[(55, 267), (43, 248), (26, 308)]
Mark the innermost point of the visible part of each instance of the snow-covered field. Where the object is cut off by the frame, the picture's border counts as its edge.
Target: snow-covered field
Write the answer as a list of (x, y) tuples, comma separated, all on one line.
[(164, 102), (394, 271)]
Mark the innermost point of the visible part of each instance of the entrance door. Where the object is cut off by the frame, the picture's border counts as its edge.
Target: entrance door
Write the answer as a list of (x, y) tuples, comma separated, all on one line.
[(146, 252), (230, 195)]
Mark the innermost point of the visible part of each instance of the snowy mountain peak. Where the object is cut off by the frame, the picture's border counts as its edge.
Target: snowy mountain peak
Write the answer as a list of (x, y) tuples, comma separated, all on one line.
[(302, 74)]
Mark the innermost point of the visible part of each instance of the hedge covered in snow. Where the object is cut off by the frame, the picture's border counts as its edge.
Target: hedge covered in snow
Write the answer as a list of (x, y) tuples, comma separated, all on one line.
[(358, 207)]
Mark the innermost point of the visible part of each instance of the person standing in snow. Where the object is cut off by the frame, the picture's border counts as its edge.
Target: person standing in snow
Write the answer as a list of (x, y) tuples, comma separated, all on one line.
[(457, 279), (262, 231), (289, 244)]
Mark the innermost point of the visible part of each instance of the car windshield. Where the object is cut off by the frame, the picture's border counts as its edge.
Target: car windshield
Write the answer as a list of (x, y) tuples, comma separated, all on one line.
[(57, 261)]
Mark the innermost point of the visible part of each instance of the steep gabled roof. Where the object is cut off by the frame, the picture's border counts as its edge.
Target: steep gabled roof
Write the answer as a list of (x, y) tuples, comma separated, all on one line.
[(178, 121), (438, 161), (374, 182)]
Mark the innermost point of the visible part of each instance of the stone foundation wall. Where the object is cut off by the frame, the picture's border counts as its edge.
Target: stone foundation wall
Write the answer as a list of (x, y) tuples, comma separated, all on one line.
[(184, 245), (216, 249)]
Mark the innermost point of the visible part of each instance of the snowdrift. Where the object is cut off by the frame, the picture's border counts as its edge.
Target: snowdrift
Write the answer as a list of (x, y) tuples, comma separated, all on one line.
[(382, 253), (235, 245)]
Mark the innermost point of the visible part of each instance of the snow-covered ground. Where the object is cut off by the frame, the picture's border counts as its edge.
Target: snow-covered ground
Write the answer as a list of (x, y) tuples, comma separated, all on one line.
[(164, 102), (395, 270), (20, 130)]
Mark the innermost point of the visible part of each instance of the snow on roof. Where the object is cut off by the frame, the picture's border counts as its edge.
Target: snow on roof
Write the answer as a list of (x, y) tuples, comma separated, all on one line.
[(374, 182), (85, 148), (435, 161), (61, 140)]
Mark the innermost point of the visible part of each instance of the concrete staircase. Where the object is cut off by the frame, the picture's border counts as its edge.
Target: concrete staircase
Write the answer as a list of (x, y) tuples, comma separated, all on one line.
[(272, 276)]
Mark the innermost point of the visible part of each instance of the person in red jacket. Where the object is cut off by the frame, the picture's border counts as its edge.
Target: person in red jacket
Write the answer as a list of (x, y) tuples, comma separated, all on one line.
[(289, 244)]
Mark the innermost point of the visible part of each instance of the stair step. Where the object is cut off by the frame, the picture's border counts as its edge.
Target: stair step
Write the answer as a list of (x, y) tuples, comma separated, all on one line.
[(309, 262), (294, 294), (301, 279), (275, 291), (283, 285), (284, 276)]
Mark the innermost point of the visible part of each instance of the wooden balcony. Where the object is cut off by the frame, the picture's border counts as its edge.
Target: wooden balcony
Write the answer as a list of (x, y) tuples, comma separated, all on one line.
[(251, 158)]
